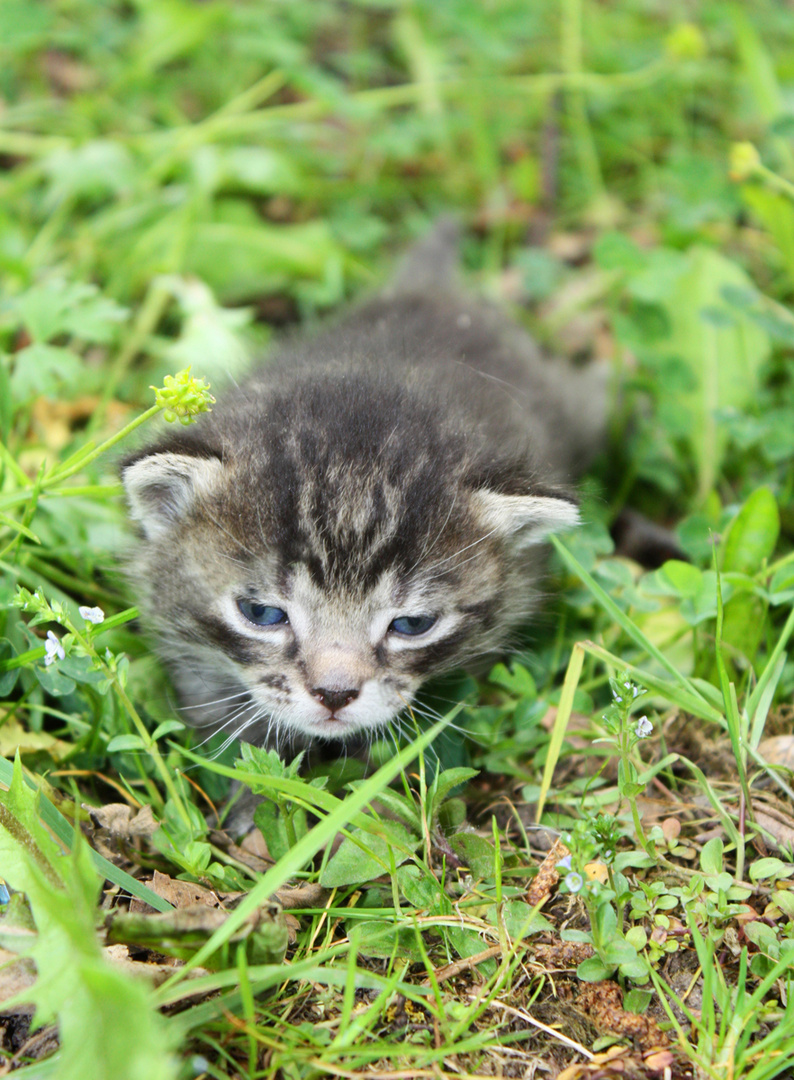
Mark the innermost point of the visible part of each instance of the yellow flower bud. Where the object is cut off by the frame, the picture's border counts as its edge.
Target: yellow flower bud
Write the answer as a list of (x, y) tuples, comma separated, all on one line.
[(745, 161), (686, 42)]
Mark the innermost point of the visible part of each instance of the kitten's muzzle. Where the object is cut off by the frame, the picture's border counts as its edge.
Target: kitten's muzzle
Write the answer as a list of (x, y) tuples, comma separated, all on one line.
[(334, 699)]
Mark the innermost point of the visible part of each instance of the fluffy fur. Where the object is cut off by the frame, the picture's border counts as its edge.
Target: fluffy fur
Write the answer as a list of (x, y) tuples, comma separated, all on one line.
[(404, 463)]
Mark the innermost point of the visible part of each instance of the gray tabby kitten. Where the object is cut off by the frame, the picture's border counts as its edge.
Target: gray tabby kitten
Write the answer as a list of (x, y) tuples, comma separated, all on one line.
[(366, 511)]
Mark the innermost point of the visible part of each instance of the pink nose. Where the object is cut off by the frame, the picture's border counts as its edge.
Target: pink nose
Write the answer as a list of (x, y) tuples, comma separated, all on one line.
[(334, 699)]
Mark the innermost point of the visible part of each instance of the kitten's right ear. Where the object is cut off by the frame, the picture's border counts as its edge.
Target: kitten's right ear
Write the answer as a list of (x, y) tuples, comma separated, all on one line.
[(162, 488)]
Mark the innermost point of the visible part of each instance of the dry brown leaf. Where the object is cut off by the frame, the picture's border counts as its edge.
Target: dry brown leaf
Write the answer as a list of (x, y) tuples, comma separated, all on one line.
[(13, 737), (547, 875), (778, 750), (603, 1003), (562, 955), (17, 974), (180, 894), (54, 422)]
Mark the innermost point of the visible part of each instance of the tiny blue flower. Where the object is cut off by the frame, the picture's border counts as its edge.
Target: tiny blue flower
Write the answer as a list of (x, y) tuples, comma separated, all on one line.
[(644, 727), (53, 649), (574, 882), (93, 615), (565, 863)]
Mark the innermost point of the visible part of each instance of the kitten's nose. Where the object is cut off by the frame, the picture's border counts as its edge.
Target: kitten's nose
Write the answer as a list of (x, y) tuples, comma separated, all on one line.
[(334, 699)]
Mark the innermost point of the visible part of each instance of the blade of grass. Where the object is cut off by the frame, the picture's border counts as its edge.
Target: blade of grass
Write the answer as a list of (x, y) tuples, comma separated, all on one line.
[(768, 672), (307, 847), (55, 821), (560, 724), (623, 621), (698, 707)]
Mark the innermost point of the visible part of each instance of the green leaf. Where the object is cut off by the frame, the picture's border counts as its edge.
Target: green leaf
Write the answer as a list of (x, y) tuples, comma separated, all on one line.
[(517, 680), (271, 824), (44, 369), (593, 970), (361, 857), (443, 785), (635, 969), (419, 887), (619, 951), (711, 856), (107, 1025), (396, 805), (770, 867), (166, 727), (724, 360), (477, 853), (753, 534), (125, 742), (7, 678), (520, 920), (384, 940), (53, 681), (683, 578)]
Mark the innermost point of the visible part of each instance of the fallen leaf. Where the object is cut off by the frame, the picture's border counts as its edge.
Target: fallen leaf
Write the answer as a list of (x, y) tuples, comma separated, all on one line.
[(14, 737), (778, 750), (547, 875)]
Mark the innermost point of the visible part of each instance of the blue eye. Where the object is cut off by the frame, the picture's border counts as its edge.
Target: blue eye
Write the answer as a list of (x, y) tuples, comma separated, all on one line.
[(412, 625), (262, 614)]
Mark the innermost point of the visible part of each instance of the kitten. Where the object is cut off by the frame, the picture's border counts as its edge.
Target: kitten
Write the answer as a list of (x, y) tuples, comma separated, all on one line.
[(366, 511)]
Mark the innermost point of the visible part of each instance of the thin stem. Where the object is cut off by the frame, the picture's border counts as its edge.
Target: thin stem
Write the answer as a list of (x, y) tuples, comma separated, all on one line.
[(571, 63), (65, 472)]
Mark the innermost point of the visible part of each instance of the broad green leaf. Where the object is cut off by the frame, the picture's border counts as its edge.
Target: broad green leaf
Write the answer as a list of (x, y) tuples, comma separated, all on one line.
[(683, 578), (477, 853), (593, 970), (776, 213), (419, 888), (753, 534), (619, 951), (235, 254), (384, 939), (711, 856), (107, 1025), (770, 868), (724, 360), (271, 824), (44, 369), (366, 857), (515, 679), (519, 919)]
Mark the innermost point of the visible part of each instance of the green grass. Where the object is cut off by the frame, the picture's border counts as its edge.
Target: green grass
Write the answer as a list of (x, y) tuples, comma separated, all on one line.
[(177, 182)]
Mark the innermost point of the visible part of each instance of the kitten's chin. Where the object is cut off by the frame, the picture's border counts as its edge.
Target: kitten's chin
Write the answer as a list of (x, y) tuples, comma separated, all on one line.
[(337, 728)]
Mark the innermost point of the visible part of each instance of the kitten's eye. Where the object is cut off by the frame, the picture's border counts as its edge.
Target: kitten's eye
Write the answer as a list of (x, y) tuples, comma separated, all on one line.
[(412, 625), (262, 614)]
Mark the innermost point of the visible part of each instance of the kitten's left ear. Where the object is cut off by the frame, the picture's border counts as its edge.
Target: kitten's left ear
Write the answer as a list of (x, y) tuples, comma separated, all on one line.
[(524, 519)]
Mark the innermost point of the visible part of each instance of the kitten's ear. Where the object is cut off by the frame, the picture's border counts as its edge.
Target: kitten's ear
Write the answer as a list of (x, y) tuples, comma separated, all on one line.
[(162, 488), (524, 519)]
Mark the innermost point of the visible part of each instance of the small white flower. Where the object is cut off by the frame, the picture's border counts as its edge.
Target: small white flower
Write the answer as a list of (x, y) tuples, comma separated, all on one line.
[(644, 727), (93, 615), (54, 649), (574, 882), (565, 863), (619, 699)]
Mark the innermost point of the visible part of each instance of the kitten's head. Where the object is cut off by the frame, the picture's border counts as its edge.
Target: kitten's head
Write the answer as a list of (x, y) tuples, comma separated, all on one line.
[(311, 580)]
